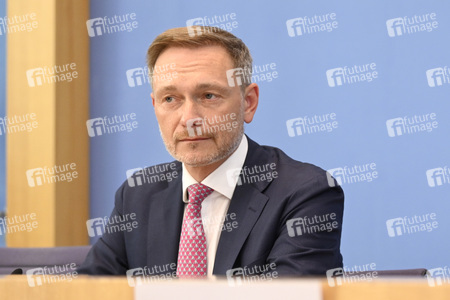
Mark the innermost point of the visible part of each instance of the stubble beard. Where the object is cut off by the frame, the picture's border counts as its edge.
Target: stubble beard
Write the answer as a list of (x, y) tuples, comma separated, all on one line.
[(230, 142)]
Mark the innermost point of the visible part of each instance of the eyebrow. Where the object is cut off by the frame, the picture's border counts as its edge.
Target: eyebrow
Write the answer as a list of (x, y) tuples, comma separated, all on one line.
[(200, 86), (206, 86), (168, 88)]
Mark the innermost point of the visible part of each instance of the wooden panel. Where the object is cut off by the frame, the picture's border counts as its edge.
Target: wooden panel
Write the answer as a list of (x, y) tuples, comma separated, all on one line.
[(61, 108), (82, 287), (387, 289)]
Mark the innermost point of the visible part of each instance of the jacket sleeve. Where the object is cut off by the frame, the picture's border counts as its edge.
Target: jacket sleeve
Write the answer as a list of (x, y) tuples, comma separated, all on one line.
[(309, 236), (108, 254)]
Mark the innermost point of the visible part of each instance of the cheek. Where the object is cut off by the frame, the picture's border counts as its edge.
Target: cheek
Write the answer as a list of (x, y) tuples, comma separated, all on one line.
[(167, 122)]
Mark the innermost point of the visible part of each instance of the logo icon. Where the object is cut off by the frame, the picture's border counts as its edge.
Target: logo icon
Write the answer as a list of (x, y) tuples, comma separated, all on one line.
[(295, 126), (436, 276), (395, 27), (135, 177), (194, 127), (35, 177), (435, 77), (435, 177), (294, 227), (335, 77), (95, 126), (95, 27), (235, 276), (34, 277), (294, 27), (135, 77), (233, 177), (135, 277), (394, 227), (395, 127), (95, 227), (335, 276), (195, 227), (236, 77), (35, 77), (335, 177), (193, 26)]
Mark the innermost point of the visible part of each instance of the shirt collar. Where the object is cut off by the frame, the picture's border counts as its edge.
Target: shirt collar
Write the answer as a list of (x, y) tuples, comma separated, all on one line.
[(219, 180)]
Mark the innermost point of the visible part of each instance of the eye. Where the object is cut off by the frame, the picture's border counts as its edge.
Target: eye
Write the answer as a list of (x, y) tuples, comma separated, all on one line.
[(168, 99), (210, 96)]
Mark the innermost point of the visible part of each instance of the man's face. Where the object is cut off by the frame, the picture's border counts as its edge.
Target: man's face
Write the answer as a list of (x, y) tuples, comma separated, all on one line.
[(190, 88)]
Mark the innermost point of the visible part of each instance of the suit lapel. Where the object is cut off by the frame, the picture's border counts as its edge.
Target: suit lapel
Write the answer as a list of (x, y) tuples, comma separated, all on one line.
[(164, 227), (247, 203)]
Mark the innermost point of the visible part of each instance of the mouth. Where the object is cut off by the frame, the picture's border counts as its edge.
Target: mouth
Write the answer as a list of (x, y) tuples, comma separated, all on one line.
[(194, 139)]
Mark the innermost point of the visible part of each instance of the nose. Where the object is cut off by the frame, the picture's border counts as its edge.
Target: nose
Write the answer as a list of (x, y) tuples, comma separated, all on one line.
[(191, 116)]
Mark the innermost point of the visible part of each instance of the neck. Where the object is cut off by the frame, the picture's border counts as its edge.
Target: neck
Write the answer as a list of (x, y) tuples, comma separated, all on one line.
[(200, 173)]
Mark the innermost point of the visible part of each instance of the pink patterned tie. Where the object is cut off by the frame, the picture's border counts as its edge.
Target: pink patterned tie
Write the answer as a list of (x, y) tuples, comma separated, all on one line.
[(192, 250)]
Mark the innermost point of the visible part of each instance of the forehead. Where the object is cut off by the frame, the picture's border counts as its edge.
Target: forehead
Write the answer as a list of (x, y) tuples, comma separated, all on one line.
[(192, 66), (182, 57)]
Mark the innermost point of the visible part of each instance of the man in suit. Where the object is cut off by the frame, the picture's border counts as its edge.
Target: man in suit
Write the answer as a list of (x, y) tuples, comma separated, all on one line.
[(226, 205)]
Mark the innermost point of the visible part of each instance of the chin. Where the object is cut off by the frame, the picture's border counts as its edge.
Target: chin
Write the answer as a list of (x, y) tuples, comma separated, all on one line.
[(200, 160), (197, 161)]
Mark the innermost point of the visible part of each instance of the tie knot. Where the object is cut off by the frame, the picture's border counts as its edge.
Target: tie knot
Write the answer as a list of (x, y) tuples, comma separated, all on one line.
[(198, 192)]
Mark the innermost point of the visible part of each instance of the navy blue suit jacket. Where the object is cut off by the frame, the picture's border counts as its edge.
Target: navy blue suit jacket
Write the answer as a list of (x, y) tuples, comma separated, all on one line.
[(262, 235)]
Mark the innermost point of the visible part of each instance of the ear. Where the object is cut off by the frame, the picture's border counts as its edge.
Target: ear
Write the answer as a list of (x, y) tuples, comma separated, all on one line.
[(251, 97), (153, 99)]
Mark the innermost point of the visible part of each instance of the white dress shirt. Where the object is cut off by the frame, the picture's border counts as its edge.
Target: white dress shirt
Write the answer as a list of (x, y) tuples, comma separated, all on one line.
[(215, 206)]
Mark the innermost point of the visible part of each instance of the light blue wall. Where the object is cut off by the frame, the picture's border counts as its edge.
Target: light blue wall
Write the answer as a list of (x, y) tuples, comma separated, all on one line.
[(2, 114), (362, 109)]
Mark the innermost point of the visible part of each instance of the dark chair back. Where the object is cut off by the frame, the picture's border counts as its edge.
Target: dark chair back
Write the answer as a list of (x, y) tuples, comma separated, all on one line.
[(399, 273), (61, 259)]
